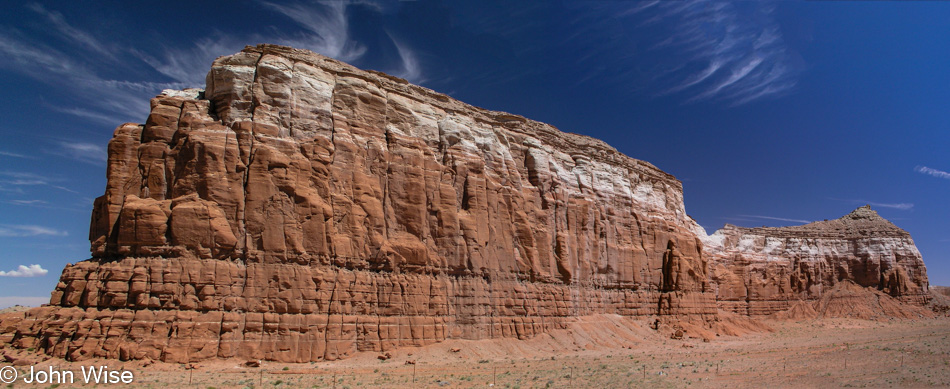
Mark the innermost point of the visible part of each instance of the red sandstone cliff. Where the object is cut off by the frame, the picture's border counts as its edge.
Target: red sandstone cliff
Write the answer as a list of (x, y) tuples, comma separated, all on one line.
[(300, 209), (760, 271)]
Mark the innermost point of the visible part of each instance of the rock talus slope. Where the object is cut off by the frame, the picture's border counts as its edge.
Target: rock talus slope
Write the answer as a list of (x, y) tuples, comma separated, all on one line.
[(299, 209), (760, 271)]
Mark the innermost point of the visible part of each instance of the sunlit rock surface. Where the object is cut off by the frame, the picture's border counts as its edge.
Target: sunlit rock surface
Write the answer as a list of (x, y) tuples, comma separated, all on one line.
[(760, 271), (300, 209)]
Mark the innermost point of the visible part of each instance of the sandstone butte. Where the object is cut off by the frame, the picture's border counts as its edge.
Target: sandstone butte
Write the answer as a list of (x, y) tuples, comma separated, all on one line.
[(300, 209)]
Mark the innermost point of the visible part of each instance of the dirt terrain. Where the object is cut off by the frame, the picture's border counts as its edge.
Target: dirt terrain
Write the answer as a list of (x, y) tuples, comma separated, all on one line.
[(607, 351)]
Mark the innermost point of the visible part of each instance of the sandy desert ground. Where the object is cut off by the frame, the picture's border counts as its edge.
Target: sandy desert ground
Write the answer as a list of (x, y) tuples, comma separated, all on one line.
[(607, 352)]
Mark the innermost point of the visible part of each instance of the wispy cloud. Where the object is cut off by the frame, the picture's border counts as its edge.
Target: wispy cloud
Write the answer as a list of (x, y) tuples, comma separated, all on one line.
[(33, 270), (900, 206), (111, 82), (100, 99), (411, 68), (32, 58), (70, 33), (189, 65), (97, 116), (932, 172), (328, 25), (733, 52), (13, 231), (777, 218), (326, 30), (43, 204), (22, 182), (84, 152), (14, 155), (7, 189), (28, 202), (329, 33), (21, 179)]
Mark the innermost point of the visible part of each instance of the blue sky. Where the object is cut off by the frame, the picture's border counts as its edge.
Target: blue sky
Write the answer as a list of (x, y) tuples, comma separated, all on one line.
[(771, 113)]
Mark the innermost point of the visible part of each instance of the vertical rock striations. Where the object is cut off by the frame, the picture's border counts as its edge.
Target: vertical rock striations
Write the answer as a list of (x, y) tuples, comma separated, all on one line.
[(299, 209), (760, 271)]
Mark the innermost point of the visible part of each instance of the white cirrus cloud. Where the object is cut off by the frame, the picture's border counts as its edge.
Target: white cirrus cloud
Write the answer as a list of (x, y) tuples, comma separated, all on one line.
[(743, 58), (28, 202), (96, 82), (189, 65), (22, 54), (68, 32), (33, 270), (328, 25), (326, 30), (900, 206), (700, 50), (85, 152), (98, 98), (13, 155), (932, 172), (24, 230), (777, 218), (21, 179), (411, 68)]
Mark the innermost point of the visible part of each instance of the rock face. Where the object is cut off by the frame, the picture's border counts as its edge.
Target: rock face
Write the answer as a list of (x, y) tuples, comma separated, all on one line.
[(299, 209), (760, 271)]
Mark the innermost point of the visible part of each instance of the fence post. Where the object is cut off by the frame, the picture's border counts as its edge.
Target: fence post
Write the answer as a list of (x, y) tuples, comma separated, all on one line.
[(494, 374)]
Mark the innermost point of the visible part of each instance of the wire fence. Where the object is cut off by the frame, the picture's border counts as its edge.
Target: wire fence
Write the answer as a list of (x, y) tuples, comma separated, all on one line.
[(842, 364), (904, 361)]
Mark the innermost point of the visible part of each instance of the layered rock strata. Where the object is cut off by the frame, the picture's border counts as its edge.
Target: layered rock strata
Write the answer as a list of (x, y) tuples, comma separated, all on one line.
[(299, 209), (760, 271)]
